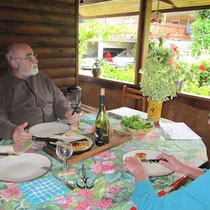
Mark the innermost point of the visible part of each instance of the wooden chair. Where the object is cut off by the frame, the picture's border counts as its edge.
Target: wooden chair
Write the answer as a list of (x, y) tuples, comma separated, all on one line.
[(133, 93)]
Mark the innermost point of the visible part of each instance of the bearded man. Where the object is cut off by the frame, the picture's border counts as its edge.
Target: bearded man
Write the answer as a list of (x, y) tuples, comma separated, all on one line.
[(28, 97)]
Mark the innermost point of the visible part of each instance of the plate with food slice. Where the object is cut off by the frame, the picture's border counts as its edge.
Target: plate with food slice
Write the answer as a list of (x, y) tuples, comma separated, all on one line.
[(81, 144), (154, 168)]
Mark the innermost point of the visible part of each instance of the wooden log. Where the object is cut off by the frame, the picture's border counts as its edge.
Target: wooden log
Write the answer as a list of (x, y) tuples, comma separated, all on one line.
[(59, 72), (77, 42), (47, 52), (35, 29), (64, 82), (54, 52), (47, 63), (35, 17), (38, 41), (67, 1), (3, 71), (3, 63), (40, 5)]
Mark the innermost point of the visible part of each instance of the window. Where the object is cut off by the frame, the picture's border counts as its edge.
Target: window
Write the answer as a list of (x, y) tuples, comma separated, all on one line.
[(114, 41), (118, 36)]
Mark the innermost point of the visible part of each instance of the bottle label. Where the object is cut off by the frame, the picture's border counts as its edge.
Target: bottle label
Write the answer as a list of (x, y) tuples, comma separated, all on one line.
[(100, 138)]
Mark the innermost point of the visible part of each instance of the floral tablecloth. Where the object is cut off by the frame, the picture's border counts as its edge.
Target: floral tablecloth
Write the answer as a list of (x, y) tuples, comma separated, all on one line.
[(112, 185)]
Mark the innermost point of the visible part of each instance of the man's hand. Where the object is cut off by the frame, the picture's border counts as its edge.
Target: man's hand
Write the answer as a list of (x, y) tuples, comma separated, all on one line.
[(19, 136), (72, 119)]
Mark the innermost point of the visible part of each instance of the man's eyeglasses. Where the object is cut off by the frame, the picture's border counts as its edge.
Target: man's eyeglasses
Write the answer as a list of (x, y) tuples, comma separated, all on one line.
[(29, 58)]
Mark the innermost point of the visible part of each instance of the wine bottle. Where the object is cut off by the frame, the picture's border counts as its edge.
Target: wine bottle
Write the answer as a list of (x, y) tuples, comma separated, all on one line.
[(102, 122)]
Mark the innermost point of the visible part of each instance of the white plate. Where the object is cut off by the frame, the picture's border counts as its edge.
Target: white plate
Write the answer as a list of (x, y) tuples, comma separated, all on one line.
[(48, 129), (153, 169), (23, 167)]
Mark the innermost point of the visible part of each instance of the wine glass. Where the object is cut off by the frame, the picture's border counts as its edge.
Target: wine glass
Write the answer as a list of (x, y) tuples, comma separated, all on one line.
[(64, 152)]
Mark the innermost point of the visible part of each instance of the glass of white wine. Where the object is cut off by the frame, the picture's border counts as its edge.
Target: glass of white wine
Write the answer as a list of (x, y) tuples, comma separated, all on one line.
[(64, 152)]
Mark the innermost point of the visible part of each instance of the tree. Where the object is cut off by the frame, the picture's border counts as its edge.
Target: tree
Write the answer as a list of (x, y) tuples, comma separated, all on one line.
[(94, 29), (200, 32)]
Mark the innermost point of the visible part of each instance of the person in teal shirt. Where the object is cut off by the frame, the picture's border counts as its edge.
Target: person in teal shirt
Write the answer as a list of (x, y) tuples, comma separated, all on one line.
[(196, 196)]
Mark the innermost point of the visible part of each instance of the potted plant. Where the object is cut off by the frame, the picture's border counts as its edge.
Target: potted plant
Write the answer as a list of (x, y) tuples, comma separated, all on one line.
[(97, 68), (159, 76)]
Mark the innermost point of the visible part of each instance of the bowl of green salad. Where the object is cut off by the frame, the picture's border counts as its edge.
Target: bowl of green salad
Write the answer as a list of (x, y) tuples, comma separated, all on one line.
[(136, 125)]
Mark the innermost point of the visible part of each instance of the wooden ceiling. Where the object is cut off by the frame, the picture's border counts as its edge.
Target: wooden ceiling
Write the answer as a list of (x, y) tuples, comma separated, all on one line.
[(106, 8)]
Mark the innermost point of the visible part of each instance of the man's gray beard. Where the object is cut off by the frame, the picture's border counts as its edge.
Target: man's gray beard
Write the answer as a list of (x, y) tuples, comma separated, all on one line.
[(31, 73)]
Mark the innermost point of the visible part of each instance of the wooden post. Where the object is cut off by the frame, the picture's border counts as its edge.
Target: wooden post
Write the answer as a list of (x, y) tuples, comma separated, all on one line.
[(143, 36), (77, 41)]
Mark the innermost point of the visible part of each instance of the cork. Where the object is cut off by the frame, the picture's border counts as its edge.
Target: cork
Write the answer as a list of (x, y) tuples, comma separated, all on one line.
[(102, 91)]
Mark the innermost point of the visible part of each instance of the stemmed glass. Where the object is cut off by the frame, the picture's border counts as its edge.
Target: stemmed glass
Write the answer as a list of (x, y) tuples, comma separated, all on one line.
[(64, 152)]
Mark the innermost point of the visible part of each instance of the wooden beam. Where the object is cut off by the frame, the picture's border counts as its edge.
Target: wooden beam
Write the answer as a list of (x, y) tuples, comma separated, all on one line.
[(143, 36), (38, 40), (92, 2), (30, 16), (77, 43), (13, 27), (194, 101), (169, 2), (185, 9), (40, 5)]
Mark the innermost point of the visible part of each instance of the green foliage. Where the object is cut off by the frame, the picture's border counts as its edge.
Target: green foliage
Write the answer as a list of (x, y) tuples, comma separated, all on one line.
[(87, 34), (200, 83), (200, 32), (93, 30), (185, 72), (135, 123), (196, 80), (125, 75), (160, 73)]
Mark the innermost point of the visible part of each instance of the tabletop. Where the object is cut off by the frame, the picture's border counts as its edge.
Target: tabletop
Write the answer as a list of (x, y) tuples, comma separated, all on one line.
[(112, 185)]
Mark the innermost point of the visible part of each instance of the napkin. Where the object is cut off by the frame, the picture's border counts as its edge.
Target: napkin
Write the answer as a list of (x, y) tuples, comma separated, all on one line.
[(41, 190), (125, 111), (6, 148), (179, 131), (89, 119)]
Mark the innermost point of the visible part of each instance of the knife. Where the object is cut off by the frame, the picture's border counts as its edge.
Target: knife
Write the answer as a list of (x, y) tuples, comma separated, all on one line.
[(57, 138), (44, 138), (51, 139), (10, 153), (152, 160)]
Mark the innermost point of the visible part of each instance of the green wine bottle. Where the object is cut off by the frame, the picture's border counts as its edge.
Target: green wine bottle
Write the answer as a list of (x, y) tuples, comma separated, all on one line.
[(102, 122)]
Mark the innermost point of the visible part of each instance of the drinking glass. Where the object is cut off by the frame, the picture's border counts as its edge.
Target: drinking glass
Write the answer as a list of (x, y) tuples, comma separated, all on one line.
[(64, 152), (165, 137)]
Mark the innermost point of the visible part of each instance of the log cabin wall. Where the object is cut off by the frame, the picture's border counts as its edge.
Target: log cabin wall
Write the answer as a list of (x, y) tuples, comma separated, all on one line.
[(50, 28), (184, 108)]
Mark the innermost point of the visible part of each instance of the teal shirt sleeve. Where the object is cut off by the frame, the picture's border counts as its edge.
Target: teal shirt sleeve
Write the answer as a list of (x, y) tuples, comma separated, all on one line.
[(193, 197)]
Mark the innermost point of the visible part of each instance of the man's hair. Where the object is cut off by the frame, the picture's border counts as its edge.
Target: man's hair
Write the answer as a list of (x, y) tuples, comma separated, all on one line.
[(11, 51)]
